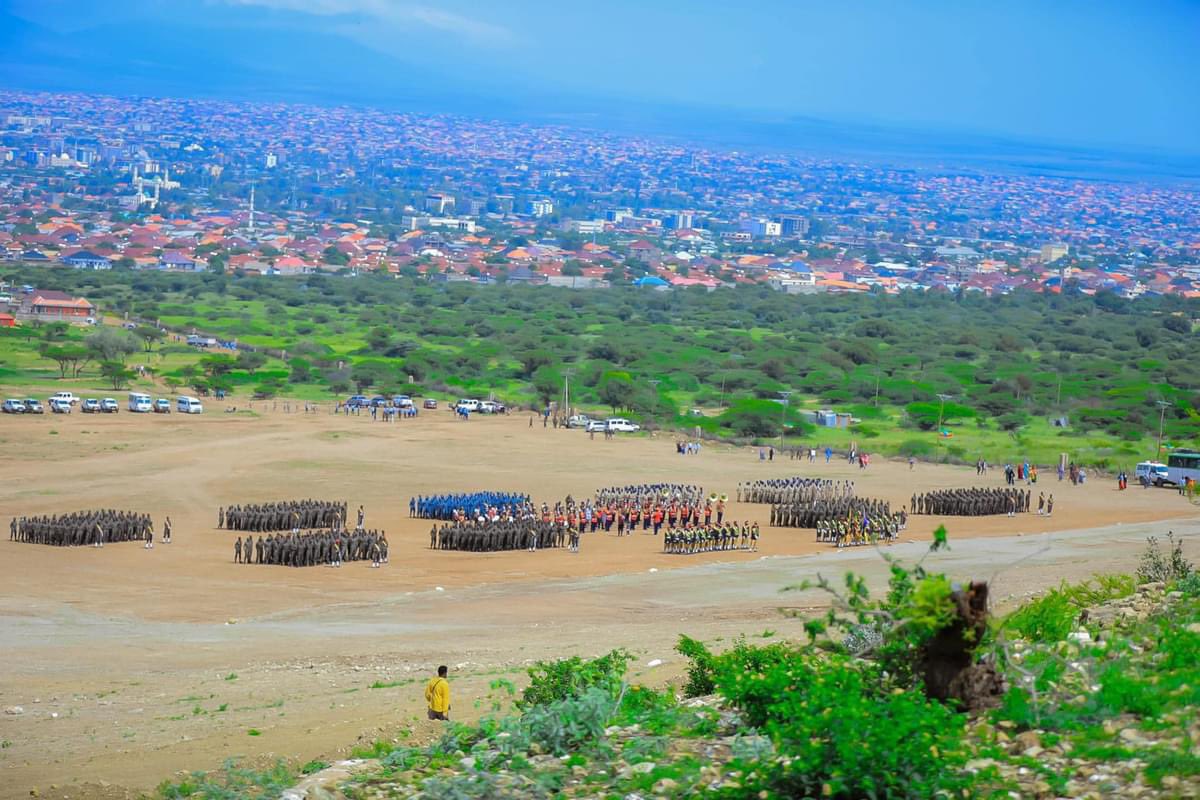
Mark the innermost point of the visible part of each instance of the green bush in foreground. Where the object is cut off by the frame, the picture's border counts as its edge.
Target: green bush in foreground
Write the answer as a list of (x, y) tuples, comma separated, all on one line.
[(552, 681), (1053, 615), (837, 734), (233, 783)]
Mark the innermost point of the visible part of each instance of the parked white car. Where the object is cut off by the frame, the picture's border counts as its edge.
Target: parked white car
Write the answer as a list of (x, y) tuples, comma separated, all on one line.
[(67, 397), (578, 421), (595, 426), (469, 405), (622, 425)]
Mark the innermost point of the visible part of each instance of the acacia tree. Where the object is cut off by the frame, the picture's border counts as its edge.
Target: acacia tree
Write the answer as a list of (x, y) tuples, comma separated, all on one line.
[(117, 373), (149, 335), (69, 357)]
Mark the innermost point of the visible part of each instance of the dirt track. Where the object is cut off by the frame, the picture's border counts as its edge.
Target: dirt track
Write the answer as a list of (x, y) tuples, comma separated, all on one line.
[(134, 650)]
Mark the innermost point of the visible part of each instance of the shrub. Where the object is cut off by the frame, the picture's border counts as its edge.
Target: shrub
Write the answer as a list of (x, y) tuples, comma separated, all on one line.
[(837, 734), (1168, 569), (234, 782), (552, 681), (568, 724), (700, 667), (1052, 616)]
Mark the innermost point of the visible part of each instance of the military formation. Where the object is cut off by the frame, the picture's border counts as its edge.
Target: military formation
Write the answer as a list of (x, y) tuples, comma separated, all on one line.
[(973, 502), (473, 505), (856, 530), (285, 515), (95, 528), (531, 534), (811, 514), (781, 491), (650, 494), (330, 547), (711, 538)]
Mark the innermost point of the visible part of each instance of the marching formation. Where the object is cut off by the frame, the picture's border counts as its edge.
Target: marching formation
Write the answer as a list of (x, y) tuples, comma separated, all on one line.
[(711, 538), (811, 514), (475, 506), (285, 515), (793, 490), (313, 548), (650, 493), (82, 528), (506, 534), (857, 530), (975, 502)]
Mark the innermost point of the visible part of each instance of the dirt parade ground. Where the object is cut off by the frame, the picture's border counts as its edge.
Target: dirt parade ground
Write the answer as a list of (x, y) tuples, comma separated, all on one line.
[(121, 666)]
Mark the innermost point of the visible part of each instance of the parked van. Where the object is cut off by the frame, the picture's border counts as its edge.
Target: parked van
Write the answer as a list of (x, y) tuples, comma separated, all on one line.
[(1154, 472), (188, 405), (140, 403)]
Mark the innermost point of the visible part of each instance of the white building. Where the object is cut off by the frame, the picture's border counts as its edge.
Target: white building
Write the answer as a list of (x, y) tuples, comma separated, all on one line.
[(587, 227), (762, 228), (541, 208)]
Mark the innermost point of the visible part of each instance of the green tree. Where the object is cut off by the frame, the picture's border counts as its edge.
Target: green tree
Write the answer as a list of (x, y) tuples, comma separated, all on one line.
[(70, 358), (111, 344), (615, 389), (116, 373), (150, 335), (250, 360), (547, 383)]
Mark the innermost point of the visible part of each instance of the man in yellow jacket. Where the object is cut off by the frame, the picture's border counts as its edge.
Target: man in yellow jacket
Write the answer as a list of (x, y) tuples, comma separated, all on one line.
[(437, 695)]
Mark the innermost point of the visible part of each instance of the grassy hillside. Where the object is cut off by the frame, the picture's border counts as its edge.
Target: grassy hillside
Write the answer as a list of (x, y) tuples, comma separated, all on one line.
[(1006, 365)]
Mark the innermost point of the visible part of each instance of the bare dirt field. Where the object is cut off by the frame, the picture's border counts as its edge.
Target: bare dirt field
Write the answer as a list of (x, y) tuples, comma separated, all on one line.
[(129, 665)]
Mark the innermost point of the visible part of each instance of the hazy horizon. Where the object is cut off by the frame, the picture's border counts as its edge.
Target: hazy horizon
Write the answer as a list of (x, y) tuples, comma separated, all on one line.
[(1069, 77)]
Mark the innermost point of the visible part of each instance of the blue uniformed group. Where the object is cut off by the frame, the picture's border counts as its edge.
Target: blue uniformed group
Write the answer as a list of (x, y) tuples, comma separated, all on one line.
[(458, 506)]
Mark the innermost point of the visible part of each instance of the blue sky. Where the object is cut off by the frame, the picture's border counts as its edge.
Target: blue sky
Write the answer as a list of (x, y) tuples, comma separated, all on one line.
[(1100, 73)]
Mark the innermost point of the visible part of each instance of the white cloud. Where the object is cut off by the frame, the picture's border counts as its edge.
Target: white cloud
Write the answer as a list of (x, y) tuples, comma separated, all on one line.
[(394, 14)]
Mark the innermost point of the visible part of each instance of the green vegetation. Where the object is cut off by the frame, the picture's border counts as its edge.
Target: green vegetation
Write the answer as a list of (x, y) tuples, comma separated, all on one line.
[(232, 783), (1104, 701), (1010, 366)]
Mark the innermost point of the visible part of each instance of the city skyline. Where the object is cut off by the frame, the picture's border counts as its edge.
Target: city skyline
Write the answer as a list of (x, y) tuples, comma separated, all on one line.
[(1102, 75)]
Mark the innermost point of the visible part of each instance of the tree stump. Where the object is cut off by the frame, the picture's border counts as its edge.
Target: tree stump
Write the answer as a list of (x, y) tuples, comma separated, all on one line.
[(948, 664)]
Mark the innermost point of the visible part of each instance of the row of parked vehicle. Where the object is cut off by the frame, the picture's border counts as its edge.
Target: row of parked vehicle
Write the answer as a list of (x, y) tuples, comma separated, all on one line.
[(139, 403), (479, 406), (614, 424), (381, 401)]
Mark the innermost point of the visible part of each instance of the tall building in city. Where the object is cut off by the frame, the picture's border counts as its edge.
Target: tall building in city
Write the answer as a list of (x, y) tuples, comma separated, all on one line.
[(272, 160), (761, 228), (541, 207), (793, 225), (683, 219), (1053, 252), (439, 202)]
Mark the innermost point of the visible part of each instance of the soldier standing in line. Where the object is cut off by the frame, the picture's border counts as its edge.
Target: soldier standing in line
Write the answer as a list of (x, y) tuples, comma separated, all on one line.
[(166, 537), (237, 551)]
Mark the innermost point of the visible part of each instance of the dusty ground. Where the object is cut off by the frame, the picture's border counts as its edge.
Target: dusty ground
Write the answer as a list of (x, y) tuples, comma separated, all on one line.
[(130, 665)]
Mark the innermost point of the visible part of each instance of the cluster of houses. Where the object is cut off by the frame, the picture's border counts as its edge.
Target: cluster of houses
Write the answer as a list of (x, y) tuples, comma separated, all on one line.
[(678, 258)]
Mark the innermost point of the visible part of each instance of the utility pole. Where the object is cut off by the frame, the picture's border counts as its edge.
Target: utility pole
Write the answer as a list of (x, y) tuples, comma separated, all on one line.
[(941, 410), (877, 386), (1162, 414), (654, 382), (566, 409), (783, 417)]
